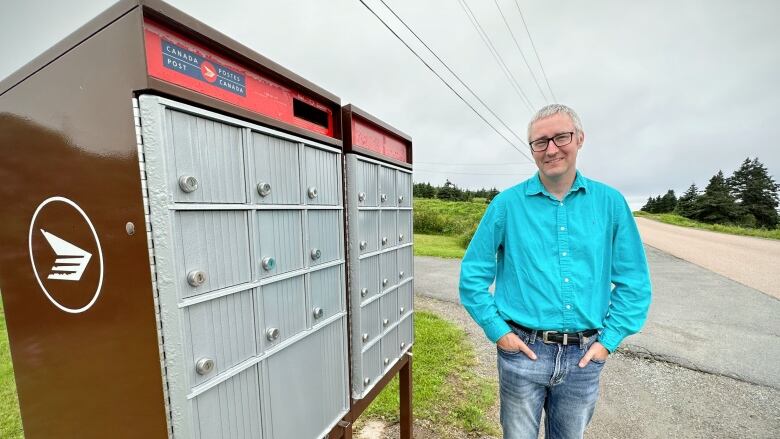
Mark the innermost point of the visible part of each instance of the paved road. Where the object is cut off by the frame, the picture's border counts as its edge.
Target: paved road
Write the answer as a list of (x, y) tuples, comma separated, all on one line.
[(754, 262), (698, 319)]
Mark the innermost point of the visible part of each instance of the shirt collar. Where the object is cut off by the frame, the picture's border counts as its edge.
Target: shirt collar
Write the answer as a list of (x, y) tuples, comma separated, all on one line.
[(535, 186)]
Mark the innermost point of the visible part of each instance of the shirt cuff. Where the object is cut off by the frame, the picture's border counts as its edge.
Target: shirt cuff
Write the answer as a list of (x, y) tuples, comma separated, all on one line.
[(496, 328), (610, 339)]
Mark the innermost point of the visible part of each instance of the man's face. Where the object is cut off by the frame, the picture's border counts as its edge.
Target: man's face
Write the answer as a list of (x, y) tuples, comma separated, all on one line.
[(555, 162)]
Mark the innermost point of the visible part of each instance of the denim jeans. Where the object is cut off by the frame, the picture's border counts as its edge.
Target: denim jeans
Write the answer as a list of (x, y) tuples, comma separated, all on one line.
[(554, 382)]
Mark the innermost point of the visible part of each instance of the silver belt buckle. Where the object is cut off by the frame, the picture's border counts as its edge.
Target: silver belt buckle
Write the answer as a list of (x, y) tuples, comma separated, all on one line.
[(545, 335)]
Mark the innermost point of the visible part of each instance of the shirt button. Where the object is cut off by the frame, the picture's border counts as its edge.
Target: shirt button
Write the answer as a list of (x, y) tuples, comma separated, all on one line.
[(563, 228), (568, 306), (566, 279), (564, 254), (560, 204)]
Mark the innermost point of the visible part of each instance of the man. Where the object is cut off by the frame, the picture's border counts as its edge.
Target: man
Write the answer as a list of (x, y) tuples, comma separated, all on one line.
[(555, 245)]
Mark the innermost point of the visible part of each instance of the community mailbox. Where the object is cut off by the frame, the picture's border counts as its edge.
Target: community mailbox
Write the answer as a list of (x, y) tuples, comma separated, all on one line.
[(173, 260), (379, 214)]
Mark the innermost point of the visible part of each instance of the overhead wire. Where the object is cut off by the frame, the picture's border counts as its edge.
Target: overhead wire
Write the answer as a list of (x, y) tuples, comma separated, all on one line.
[(533, 46), (523, 152)]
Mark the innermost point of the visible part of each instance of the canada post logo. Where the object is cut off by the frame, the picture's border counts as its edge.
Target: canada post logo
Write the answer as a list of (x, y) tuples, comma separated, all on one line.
[(195, 66)]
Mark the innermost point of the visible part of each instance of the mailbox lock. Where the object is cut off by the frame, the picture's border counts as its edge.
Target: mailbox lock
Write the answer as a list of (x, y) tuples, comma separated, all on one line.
[(272, 334), (361, 196), (403, 345), (188, 183), (400, 198), (387, 361), (384, 282), (384, 240), (317, 313), (312, 192), (385, 322), (315, 254), (401, 310), (400, 274), (366, 381), (363, 292), (269, 263), (383, 197), (263, 188), (365, 337), (204, 366), (401, 237), (363, 245), (196, 278)]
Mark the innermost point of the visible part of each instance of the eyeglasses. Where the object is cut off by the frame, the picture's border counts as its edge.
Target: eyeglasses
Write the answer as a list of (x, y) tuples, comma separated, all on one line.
[(559, 140)]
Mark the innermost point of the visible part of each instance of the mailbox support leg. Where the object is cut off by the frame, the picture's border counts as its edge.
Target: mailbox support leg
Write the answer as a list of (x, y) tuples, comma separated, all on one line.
[(405, 376)]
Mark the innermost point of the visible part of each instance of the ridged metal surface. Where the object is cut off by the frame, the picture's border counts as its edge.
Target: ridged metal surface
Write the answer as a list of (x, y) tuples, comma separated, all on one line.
[(390, 347), (389, 227), (323, 172), (372, 368), (369, 277), (222, 330), (405, 263), (368, 230), (281, 305), (326, 290), (275, 161), (406, 332), (405, 226), (209, 151), (387, 186), (325, 234), (403, 188), (370, 322), (367, 183), (405, 299), (388, 309), (280, 236), (230, 410), (215, 242), (388, 269)]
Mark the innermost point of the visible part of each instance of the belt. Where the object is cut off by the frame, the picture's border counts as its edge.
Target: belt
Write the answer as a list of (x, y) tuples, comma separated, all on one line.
[(563, 338)]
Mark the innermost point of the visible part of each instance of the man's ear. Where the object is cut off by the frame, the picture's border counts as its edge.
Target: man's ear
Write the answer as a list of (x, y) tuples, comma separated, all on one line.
[(582, 138)]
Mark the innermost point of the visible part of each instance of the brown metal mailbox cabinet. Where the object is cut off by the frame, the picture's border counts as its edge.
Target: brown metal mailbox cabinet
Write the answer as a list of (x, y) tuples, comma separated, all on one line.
[(173, 259), (379, 237)]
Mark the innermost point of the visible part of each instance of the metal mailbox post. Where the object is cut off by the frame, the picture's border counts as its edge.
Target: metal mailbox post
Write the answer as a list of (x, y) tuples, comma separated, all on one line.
[(172, 261)]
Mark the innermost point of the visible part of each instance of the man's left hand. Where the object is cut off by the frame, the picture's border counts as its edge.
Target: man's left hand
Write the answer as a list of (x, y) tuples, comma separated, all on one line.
[(596, 351)]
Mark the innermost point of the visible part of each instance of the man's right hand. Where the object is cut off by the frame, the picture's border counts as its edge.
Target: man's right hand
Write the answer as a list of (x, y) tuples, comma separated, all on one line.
[(510, 342)]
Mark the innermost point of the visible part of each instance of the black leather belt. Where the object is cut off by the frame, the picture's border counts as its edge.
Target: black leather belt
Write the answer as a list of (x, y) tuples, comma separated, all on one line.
[(564, 338)]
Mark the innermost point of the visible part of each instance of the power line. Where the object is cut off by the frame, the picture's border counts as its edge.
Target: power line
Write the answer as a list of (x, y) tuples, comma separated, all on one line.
[(473, 164), (530, 70), (496, 55), (535, 52), (445, 82), (473, 173)]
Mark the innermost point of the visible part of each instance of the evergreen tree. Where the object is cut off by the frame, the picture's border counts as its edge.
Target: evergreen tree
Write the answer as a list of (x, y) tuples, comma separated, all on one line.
[(648, 207), (448, 192), (668, 202), (756, 192), (490, 195), (686, 204), (717, 205)]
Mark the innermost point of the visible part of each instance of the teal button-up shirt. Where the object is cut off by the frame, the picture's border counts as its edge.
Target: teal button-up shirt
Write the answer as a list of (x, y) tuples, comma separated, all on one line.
[(554, 263)]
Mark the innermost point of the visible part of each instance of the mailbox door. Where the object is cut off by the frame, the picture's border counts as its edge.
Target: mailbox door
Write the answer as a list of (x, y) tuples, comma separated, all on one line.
[(372, 367), (230, 410), (406, 333), (403, 188), (275, 170), (325, 237), (390, 348), (326, 289), (388, 309), (369, 278), (280, 238), (367, 175), (389, 227), (370, 322), (322, 174), (368, 231), (387, 195), (405, 299), (405, 263), (404, 227), (388, 269), (282, 307)]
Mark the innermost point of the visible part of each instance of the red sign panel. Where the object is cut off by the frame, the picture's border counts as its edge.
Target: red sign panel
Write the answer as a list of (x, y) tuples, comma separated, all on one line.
[(369, 136), (173, 58)]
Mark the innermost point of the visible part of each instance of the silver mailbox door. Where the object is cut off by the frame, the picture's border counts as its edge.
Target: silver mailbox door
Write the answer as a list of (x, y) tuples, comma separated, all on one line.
[(367, 175), (326, 289), (406, 333), (368, 231), (370, 323), (209, 152), (388, 309), (390, 348), (405, 263), (213, 243), (387, 196), (231, 410), (372, 367), (405, 299), (388, 227), (369, 278), (282, 307), (388, 269), (325, 237), (280, 236), (275, 170), (404, 227), (322, 174), (403, 188)]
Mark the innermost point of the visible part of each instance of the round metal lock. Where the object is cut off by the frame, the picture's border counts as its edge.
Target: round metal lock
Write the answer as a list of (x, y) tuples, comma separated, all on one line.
[(317, 313), (263, 188), (400, 198), (384, 282), (269, 263), (401, 311), (362, 196), (130, 229), (363, 292), (384, 240), (387, 361), (383, 197), (363, 245), (196, 278), (312, 192), (315, 254), (400, 274), (204, 366), (403, 345), (365, 337), (272, 334), (400, 237), (366, 381), (188, 183), (385, 322)]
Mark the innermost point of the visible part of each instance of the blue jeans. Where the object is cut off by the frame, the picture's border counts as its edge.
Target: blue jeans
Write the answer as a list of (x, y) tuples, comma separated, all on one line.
[(554, 382)]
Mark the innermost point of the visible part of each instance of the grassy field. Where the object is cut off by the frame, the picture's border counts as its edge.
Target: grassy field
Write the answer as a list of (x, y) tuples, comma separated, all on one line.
[(438, 245), (10, 420), (678, 220), (445, 228), (446, 391)]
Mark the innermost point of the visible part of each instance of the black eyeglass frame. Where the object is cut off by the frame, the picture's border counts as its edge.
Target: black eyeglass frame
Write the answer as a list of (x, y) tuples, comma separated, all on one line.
[(547, 141)]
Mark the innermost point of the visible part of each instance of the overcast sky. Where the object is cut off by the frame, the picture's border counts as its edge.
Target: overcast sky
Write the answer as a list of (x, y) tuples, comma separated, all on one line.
[(669, 92)]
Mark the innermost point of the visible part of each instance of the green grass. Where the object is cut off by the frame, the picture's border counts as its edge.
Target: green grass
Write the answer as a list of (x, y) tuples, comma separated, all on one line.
[(677, 220), (454, 219), (438, 245), (446, 390), (10, 419)]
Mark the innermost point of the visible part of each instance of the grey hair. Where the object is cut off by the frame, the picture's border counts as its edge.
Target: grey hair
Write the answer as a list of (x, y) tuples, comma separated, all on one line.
[(553, 109)]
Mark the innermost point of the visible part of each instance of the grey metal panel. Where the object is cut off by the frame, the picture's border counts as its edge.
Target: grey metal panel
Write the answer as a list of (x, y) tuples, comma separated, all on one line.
[(388, 270), (215, 242), (230, 410), (210, 151), (275, 161), (403, 188), (390, 348), (222, 330), (405, 226), (405, 299), (387, 187), (367, 183), (372, 368), (370, 323), (388, 227), (326, 292), (322, 172), (282, 306), (307, 383), (368, 231), (405, 263), (280, 236), (406, 333), (388, 309), (368, 279), (325, 235)]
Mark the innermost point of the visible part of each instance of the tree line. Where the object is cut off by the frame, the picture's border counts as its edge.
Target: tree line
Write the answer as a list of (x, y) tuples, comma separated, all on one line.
[(748, 198), (450, 192)]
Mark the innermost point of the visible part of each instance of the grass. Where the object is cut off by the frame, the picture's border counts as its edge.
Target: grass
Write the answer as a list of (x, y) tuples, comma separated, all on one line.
[(10, 418), (677, 220), (456, 220), (438, 245), (446, 391)]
